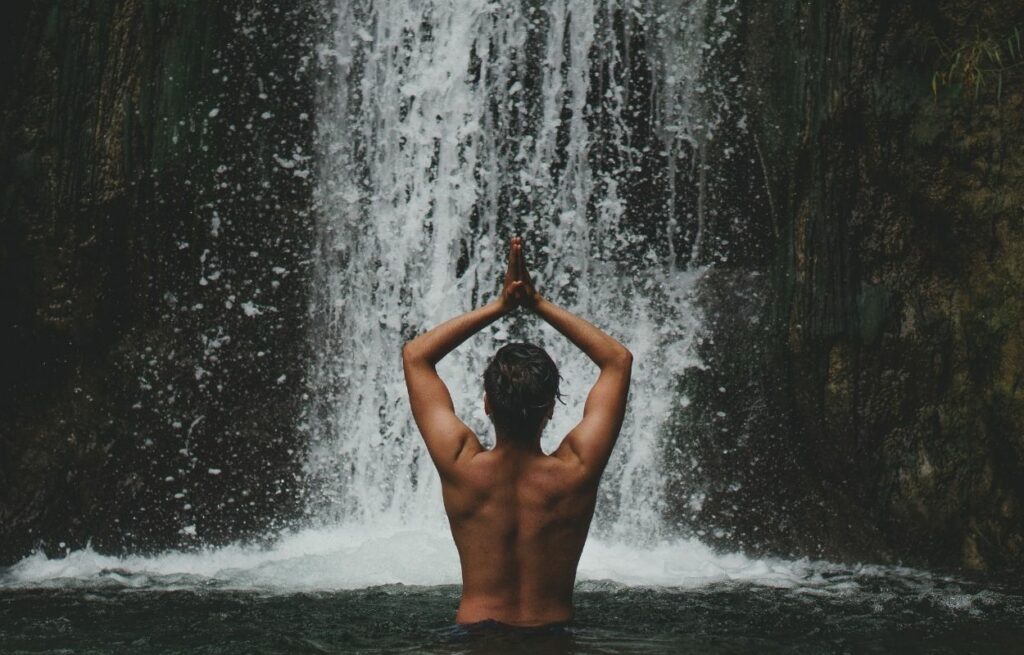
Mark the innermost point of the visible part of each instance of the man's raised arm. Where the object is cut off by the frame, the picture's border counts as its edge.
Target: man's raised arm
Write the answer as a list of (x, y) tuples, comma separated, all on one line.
[(448, 438), (593, 439)]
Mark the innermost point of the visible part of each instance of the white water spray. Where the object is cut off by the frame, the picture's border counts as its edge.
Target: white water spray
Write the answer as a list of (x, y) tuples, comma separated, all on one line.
[(449, 127)]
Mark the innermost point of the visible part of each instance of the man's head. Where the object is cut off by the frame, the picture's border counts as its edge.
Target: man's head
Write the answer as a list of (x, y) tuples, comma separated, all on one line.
[(521, 383)]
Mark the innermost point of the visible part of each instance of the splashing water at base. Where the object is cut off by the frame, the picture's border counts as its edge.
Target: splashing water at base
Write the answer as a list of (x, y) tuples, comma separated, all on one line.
[(350, 590), (355, 557)]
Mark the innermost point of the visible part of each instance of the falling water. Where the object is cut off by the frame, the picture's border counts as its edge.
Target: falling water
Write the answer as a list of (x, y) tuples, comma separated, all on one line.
[(448, 127)]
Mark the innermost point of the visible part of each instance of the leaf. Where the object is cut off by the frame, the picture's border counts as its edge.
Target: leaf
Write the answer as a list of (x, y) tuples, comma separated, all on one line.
[(935, 85), (977, 86)]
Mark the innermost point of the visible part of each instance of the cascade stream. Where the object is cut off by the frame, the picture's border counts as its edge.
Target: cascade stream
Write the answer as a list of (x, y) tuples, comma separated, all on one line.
[(447, 128)]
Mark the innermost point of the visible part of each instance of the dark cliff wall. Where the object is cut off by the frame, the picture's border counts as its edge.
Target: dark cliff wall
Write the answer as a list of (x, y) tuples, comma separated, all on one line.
[(886, 384), (154, 198)]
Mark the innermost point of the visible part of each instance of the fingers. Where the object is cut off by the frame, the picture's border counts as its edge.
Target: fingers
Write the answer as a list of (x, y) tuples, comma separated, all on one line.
[(516, 261), (512, 255), (520, 260)]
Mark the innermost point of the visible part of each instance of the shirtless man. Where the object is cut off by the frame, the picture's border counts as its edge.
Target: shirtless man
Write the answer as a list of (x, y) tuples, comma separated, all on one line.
[(519, 517)]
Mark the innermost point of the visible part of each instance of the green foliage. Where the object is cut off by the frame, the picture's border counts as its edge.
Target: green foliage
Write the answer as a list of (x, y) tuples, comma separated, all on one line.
[(979, 63)]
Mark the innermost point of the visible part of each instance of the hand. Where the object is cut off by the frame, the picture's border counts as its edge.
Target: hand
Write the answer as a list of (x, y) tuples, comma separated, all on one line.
[(526, 293), (510, 296), (518, 289)]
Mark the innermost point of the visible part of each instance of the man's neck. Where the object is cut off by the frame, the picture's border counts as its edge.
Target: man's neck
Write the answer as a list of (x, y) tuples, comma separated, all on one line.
[(517, 445)]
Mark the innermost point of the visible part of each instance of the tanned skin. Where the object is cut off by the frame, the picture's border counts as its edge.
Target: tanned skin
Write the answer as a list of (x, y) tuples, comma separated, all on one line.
[(519, 517)]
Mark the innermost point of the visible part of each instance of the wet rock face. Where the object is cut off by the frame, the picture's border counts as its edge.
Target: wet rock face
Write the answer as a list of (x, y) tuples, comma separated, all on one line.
[(897, 279), (155, 200)]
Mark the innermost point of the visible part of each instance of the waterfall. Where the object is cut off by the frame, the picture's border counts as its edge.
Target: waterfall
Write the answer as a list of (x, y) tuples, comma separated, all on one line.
[(445, 128)]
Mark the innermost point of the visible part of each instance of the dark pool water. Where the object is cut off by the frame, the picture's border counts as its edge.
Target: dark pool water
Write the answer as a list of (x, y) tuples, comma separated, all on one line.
[(850, 614)]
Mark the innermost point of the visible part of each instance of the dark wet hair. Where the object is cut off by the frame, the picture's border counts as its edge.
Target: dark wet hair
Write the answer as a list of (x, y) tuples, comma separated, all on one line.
[(521, 382)]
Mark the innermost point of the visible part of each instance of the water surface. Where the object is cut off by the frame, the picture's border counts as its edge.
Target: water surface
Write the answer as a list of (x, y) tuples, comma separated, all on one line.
[(343, 591), (854, 614)]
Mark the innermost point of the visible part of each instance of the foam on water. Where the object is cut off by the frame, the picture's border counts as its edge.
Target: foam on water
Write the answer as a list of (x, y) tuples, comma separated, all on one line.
[(353, 557)]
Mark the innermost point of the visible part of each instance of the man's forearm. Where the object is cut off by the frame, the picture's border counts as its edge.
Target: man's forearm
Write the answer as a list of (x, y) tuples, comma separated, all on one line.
[(600, 347), (433, 345)]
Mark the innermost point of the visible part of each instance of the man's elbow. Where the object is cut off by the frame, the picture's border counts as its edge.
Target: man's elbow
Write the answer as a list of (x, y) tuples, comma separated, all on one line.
[(410, 353), (627, 357), (623, 358)]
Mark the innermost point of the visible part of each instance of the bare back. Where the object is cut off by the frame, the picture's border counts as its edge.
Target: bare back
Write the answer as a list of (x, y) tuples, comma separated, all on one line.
[(519, 519)]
